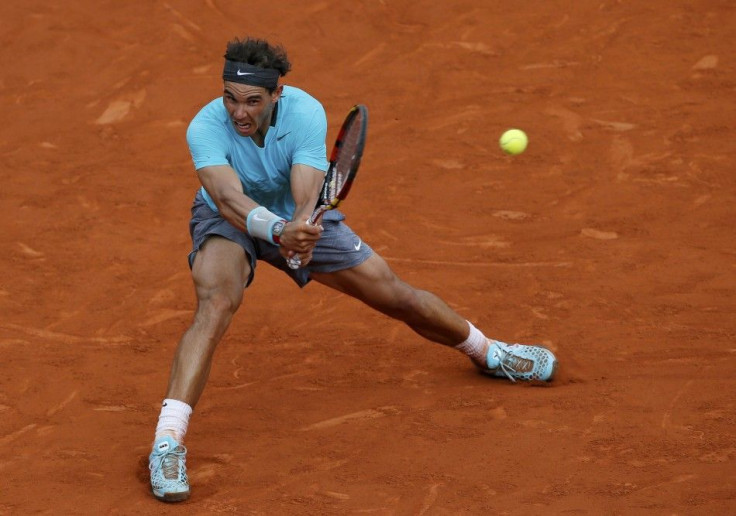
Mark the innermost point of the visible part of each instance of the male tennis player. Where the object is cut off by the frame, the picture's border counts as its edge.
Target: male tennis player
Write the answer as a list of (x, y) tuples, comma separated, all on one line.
[(260, 154)]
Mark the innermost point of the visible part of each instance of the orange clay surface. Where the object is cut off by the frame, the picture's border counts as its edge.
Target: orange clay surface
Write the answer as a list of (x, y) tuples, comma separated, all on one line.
[(611, 240)]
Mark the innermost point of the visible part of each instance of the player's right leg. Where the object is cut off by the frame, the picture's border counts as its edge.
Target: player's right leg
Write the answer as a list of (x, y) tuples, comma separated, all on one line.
[(220, 271)]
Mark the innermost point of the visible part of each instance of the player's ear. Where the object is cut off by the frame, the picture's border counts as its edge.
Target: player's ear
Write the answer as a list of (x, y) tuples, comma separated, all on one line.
[(276, 95)]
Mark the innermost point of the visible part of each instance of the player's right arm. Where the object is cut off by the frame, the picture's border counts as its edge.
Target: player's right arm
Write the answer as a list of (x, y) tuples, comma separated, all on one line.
[(226, 190)]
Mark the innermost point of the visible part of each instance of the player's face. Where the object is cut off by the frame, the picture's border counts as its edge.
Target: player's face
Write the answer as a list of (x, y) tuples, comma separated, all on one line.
[(250, 108)]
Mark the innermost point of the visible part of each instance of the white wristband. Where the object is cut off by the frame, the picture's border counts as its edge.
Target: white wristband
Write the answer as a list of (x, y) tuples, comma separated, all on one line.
[(260, 223)]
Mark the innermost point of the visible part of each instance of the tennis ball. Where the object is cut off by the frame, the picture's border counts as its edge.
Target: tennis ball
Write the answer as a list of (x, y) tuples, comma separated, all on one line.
[(513, 141)]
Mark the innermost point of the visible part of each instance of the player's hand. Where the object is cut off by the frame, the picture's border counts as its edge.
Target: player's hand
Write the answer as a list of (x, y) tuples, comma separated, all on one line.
[(300, 237), (304, 258)]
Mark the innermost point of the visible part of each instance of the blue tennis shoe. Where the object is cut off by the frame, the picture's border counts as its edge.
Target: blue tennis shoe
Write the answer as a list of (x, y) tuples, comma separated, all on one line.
[(167, 463), (519, 362)]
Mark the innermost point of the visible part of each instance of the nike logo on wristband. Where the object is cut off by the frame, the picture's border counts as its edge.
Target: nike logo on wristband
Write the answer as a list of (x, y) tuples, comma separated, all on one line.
[(257, 217)]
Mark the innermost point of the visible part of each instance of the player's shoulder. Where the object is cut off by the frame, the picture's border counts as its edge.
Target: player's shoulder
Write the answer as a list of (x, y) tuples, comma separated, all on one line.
[(296, 100), (211, 117), (213, 113)]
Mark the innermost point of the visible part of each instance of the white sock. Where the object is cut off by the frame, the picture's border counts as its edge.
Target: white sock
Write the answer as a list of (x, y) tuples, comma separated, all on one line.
[(475, 346), (173, 420)]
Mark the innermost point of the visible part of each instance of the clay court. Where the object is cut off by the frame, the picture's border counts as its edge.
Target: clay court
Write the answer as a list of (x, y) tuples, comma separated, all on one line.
[(611, 240)]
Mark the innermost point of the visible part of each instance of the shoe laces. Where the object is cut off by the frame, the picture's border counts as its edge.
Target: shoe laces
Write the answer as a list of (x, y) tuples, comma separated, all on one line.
[(511, 364), (169, 462)]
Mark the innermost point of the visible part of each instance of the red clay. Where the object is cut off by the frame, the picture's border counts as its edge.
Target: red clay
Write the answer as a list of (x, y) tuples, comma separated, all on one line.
[(611, 239)]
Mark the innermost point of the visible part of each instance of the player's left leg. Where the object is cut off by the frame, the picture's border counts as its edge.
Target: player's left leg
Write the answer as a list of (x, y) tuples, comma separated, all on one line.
[(374, 283)]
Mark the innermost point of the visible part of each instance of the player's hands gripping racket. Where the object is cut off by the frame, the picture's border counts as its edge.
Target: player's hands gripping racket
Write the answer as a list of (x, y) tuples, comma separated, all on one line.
[(344, 163)]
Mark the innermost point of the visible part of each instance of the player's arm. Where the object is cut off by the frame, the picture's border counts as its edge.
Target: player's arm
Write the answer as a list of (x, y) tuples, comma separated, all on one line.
[(226, 190), (307, 175), (306, 184)]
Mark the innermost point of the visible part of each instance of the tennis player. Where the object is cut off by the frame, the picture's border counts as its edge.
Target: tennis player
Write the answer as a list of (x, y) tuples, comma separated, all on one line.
[(260, 154)]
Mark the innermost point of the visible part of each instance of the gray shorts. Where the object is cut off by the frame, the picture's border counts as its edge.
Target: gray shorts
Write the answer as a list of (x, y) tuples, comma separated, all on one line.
[(339, 247)]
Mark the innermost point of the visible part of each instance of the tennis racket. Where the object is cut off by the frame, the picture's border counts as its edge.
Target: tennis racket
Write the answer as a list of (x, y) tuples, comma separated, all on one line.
[(344, 163)]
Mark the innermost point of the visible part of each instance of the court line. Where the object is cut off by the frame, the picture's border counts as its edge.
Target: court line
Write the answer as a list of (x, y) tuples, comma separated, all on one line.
[(63, 337), (479, 264), (9, 437)]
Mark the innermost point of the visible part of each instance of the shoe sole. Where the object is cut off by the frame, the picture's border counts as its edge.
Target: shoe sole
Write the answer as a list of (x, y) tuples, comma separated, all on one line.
[(554, 371), (172, 497)]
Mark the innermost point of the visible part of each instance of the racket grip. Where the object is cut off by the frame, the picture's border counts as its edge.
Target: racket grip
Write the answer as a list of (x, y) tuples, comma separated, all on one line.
[(294, 262)]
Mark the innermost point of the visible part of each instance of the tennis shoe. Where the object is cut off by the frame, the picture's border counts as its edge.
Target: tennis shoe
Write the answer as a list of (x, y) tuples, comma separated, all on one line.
[(519, 362), (167, 463)]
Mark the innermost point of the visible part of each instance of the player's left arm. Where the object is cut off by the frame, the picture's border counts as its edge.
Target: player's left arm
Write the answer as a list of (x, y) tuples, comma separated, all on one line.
[(306, 185), (309, 163), (307, 176)]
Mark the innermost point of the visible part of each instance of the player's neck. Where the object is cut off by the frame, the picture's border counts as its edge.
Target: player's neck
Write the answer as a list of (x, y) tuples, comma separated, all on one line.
[(259, 138)]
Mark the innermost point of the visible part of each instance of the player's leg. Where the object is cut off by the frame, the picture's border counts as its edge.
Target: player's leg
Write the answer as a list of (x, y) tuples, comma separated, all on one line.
[(220, 272), (374, 283)]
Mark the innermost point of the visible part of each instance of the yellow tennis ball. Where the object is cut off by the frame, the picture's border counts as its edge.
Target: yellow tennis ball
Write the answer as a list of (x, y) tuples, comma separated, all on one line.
[(513, 141)]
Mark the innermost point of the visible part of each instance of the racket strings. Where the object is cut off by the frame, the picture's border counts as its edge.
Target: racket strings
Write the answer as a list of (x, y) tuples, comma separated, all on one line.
[(345, 158)]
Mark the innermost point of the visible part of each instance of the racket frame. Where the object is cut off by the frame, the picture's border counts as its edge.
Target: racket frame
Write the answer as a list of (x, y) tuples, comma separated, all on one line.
[(324, 203)]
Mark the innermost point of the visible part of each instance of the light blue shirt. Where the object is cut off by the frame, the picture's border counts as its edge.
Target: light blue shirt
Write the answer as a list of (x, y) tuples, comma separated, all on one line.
[(298, 136)]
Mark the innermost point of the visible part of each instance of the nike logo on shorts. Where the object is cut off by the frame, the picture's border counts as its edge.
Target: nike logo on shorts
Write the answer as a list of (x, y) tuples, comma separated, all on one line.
[(357, 246)]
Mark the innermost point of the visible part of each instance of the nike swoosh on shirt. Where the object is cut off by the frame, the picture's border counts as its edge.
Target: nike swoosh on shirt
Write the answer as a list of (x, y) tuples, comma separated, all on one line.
[(281, 136)]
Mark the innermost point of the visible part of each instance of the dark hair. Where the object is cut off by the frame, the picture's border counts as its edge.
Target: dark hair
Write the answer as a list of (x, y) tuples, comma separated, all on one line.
[(258, 52)]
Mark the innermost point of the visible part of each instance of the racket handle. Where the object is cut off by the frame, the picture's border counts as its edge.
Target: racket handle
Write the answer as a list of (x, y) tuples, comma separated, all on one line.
[(295, 262)]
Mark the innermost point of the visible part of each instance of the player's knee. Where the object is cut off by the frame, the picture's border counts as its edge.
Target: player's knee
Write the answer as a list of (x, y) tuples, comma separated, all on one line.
[(218, 306), (406, 303)]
